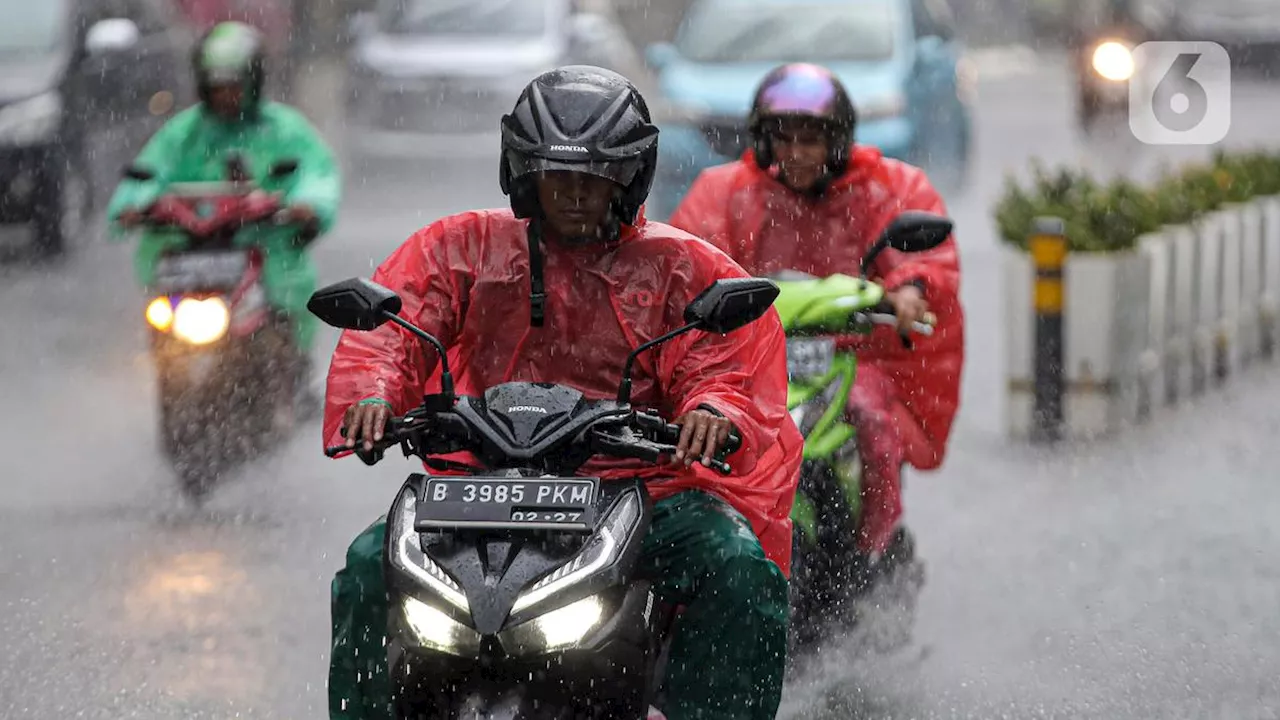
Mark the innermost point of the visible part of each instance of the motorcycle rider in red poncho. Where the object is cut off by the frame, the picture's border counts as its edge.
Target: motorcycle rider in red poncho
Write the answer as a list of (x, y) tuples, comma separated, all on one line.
[(578, 158), (805, 198)]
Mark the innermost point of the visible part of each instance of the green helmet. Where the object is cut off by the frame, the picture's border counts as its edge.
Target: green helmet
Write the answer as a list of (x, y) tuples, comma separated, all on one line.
[(231, 52)]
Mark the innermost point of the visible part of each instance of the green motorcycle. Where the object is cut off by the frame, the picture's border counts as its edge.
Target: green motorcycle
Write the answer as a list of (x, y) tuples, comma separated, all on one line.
[(833, 585)]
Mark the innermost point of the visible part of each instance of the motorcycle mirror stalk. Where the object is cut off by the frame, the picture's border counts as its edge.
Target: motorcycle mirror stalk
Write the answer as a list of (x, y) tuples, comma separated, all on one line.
[(723, 307), (360, 304), (911, 231)]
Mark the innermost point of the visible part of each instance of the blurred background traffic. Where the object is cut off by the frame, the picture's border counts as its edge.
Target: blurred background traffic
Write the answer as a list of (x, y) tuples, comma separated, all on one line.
[(1129, 578)]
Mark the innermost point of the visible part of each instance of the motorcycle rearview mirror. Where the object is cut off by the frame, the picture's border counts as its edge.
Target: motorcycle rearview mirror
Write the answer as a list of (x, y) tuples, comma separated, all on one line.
[(284, 169), (361, 304), (134, 172), (723, 307), (911, 231), (730, 304)]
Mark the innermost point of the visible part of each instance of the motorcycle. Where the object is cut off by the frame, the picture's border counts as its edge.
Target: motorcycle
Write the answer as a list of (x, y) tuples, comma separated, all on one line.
[(513, 587), (831, 586), (220, 351)]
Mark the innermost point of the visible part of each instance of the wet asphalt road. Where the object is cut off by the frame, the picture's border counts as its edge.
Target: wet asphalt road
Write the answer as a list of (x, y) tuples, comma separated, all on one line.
[(1133, 580)]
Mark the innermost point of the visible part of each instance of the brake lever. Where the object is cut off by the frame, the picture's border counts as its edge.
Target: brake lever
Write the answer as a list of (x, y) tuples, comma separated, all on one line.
[(653, 427), (719, 466)]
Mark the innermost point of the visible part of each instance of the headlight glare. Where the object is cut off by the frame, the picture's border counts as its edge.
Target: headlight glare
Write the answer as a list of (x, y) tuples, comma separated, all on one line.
[(200, 322), (436, 630), (1114, 61), (559, 629), (160, 314)]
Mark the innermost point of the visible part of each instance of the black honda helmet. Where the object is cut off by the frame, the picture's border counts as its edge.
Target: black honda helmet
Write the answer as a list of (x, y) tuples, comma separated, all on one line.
[(803, 90), (585, 119), (231, 52)]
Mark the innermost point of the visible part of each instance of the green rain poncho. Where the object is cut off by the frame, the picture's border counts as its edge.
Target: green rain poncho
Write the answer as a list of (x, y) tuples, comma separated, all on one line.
[(194, 147)]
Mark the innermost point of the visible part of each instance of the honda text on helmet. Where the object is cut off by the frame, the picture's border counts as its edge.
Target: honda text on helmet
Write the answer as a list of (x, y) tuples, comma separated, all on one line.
[(802, 121), (587, 132)]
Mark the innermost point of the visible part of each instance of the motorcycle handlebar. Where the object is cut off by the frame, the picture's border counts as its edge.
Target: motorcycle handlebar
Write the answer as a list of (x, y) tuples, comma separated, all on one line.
[(884, 314), (169, 211), (658, 438)]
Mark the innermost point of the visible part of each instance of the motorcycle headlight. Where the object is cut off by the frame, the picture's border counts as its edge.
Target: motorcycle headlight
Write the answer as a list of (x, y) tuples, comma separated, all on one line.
[(160, 314), (200, 322), (602, 549), (31, 120), (559, 629), (436, 630), (1113, 60), (407, 556)]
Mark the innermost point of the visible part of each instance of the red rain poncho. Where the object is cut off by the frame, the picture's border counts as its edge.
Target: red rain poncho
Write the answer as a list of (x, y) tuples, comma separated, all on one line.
[(767, 227), (465, 279)]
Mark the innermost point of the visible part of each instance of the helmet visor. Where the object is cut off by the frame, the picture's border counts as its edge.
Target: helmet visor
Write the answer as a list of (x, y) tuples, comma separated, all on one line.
[(621, 172), (800, 90)]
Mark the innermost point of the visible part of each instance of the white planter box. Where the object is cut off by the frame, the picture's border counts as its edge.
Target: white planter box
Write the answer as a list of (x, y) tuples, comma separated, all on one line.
[(1269, 306), (1191, 305), (1153, 361), (1250, 328), (1182, 313), (1105, 332), (1208, 309), (1227, 340)]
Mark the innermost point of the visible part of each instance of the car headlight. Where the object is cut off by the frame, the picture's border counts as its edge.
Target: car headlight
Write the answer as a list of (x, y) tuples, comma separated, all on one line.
[(436, 630), (31, 120), (200, 322), (407, 556), (602, 549), (886, 106), (557, 630), (1114, 61)]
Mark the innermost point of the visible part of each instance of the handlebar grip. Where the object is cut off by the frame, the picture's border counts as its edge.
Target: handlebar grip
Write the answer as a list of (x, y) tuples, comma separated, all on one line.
[(921, 328), (734, 442)]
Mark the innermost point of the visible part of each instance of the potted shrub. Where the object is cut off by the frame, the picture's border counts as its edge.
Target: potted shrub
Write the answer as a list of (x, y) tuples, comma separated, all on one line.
[(1168, 285)]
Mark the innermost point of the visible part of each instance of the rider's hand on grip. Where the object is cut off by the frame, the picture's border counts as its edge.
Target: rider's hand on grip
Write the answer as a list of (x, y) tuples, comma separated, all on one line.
[(365, 423), (702, 436), (909, 306)]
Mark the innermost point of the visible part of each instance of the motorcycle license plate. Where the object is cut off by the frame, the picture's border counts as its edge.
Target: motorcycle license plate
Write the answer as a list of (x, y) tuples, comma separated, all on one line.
[(548, 503), (201, 270), (810, 357)]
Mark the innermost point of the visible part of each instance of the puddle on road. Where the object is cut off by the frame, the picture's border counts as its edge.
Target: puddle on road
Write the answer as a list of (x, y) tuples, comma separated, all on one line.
[(193, 622)]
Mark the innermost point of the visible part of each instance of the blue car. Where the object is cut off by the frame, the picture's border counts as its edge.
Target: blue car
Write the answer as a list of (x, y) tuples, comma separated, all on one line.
[(898, 58)]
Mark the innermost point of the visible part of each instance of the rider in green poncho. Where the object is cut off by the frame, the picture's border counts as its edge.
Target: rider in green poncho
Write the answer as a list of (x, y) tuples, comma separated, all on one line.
[(231, 119)]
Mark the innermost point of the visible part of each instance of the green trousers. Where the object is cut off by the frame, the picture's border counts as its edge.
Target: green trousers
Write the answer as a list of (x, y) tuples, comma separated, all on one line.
[(728, 655)]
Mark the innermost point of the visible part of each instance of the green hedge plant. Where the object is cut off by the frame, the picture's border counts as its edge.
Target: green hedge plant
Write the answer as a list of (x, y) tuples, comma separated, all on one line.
[(1111, 216)]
